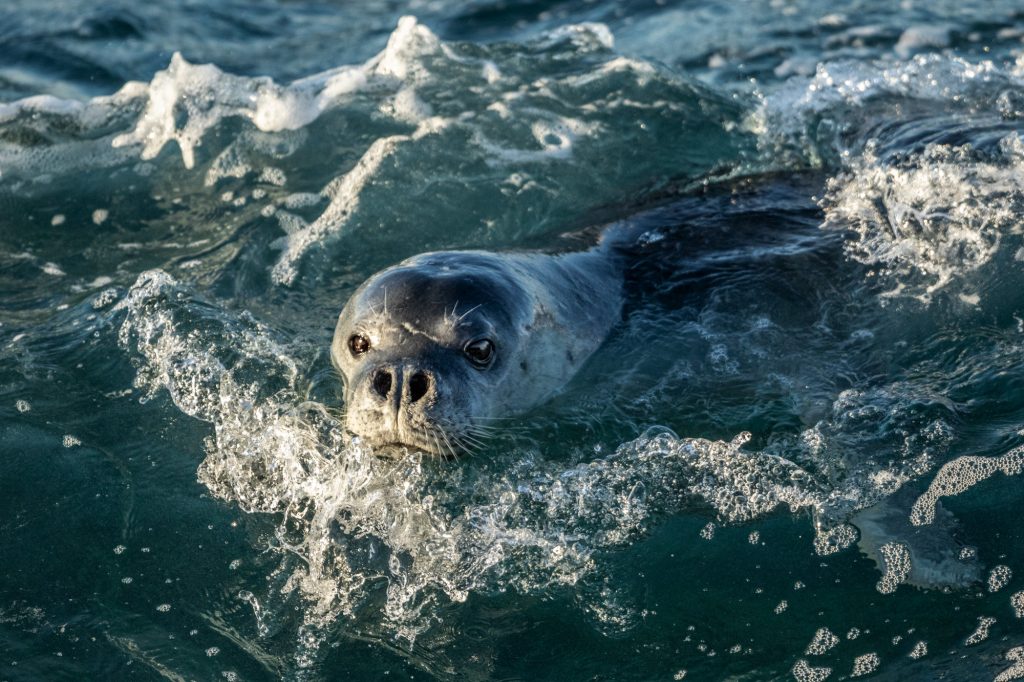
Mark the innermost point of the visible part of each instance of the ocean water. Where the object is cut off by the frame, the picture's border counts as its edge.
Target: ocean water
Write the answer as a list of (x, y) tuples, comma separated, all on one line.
[(817, 379)]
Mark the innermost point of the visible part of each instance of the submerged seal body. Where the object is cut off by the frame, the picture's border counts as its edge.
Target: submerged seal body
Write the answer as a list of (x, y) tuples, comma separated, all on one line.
[(433, 348)]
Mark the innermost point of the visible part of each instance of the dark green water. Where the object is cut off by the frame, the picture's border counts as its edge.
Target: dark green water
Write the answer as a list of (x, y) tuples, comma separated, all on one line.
[(824, 316)]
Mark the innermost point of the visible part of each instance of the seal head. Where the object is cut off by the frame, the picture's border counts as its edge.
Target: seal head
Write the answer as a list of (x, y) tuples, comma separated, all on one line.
[(434, 348)]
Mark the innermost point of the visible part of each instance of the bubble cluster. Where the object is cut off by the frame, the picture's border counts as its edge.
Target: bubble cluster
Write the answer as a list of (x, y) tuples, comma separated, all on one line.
[(805, 672), (1016, 670), (865, 665), (980, 633), (832, 540), (962, 474), (999, 577), (824, 639), (896, 558), (104, 298), (1017, 603)]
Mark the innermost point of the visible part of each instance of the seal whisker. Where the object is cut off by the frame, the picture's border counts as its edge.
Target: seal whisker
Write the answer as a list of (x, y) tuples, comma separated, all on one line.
[(470, 449), (461, 442), (469, 436), (465, 443), (439, 430), (493, 431), (453, 449), (463, 315), (478, 435)]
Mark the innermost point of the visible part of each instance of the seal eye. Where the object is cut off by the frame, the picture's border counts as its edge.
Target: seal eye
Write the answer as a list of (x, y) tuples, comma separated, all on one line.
[(358, 344), (479, 352)]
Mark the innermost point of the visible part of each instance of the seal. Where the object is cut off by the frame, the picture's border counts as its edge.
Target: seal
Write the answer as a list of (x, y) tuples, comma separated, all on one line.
[(431, 350)]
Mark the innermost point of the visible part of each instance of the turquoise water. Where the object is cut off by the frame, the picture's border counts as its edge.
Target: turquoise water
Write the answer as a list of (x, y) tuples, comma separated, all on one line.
[(824, 318)]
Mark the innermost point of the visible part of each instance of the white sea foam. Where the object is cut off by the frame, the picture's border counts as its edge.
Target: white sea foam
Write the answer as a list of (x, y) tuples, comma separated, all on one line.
[(837, 85), (441, 531), (1016, 671), (587, 36), (186, 100), (559, 100), (921, 220), (865, 665), (928, 219), (805, 672), (517, 520), (918, 38), (896, 558), (824, 640), (981, 632), (344, 193), (999, 577), (962, 474)]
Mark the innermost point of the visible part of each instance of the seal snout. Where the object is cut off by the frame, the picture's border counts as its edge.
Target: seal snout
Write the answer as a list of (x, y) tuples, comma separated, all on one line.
[(419, 384), (382, 382), (387, 384)]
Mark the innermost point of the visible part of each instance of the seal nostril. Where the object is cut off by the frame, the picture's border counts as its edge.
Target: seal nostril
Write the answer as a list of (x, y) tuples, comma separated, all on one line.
[(419, 384), (382, 382)]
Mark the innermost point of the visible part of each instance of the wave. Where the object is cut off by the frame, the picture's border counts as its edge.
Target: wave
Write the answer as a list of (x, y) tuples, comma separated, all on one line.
[(476, 143), (518, 521), (927, 162), (391, 540), (434, 144)]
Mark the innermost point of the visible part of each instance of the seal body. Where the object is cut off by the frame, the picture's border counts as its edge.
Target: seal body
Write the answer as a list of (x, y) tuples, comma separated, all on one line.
[(433, 349)]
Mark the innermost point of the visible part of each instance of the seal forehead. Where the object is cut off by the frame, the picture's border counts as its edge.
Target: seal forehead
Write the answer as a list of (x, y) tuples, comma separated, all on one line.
[(455, 292)]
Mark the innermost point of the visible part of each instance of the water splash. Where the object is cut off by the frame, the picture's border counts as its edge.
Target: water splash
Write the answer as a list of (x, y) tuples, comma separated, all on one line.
[(923, 221), (398, 536)]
